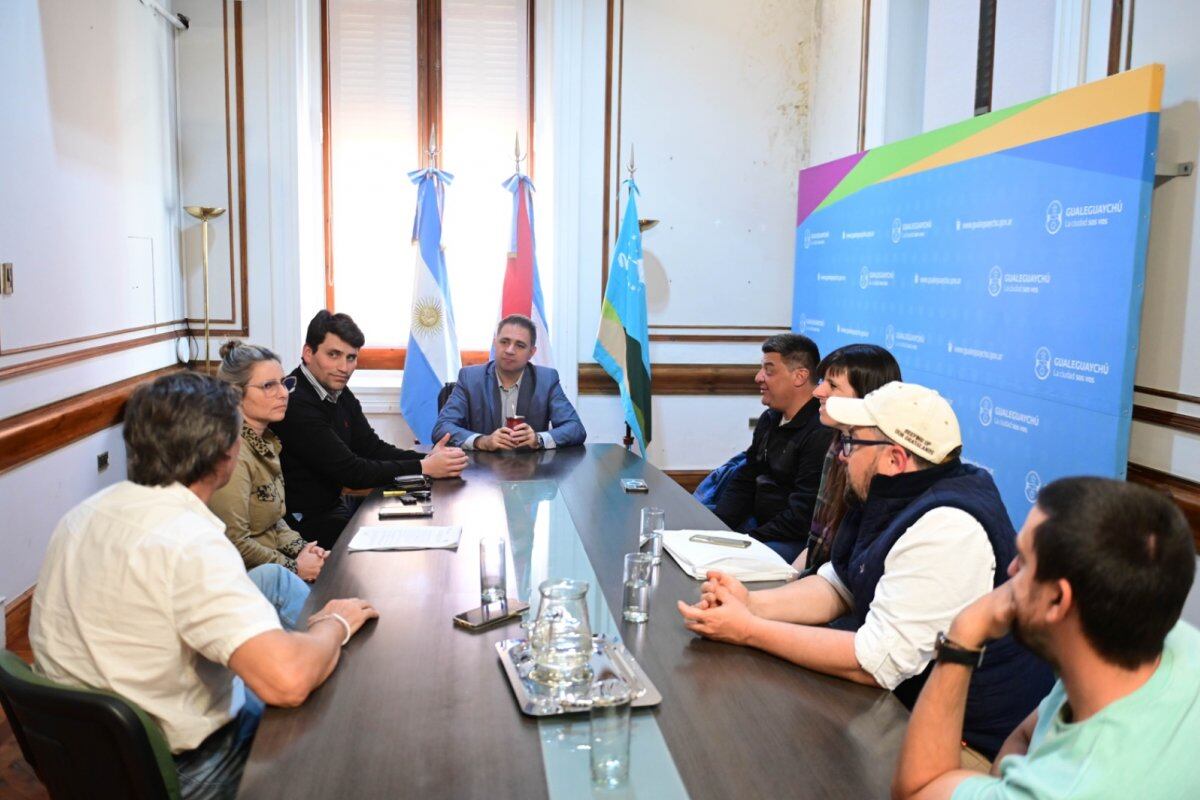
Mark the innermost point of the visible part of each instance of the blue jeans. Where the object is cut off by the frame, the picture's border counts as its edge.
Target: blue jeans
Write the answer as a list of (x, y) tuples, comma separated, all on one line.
[(284, 589), (214, 769), (789, 550)]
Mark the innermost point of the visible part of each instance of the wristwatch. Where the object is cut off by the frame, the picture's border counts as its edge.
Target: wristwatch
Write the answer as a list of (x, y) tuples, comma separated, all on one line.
[(952, 652)]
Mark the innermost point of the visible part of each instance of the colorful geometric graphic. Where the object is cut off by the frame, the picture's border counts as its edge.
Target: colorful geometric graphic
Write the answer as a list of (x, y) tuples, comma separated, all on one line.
[(1001, 260)]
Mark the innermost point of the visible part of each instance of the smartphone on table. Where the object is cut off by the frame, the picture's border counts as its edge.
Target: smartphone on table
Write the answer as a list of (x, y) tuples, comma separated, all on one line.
[(490, 615)]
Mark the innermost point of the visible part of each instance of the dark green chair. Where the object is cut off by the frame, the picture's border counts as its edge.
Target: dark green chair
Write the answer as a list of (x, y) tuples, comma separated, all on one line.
[(85, 743)]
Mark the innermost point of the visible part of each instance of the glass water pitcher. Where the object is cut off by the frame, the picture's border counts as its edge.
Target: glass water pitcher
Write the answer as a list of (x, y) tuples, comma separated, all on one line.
[(560, 638)]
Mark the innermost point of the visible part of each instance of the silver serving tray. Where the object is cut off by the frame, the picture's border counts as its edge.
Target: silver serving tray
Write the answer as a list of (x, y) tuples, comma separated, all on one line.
[(609, 660)]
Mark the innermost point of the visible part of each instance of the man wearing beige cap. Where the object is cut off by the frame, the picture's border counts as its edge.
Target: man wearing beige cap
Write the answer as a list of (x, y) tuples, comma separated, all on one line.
[(924, 537)]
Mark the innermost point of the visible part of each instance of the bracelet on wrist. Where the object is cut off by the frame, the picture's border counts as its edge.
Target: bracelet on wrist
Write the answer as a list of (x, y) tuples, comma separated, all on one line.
[(339, 618)]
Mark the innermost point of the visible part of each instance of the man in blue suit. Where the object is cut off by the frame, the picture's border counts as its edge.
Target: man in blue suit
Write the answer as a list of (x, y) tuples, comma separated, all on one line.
[(488, 396)]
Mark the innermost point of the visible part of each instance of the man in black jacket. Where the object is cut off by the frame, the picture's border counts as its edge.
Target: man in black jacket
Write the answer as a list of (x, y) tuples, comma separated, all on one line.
[(771, 496), (328, 443)]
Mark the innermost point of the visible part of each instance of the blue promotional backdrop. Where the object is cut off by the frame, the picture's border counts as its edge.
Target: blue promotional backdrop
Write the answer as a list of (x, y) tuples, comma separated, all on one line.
[(1001, 260)]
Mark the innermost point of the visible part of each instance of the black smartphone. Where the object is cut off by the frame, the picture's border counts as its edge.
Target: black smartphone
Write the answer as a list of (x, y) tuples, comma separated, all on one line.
[(491, 615), (411, 481), (634, 485)]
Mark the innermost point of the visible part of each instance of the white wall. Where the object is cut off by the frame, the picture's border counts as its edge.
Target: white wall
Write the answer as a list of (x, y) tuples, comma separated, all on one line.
[(1043, 47), (834, 128), (90, 220), (721, 131), (1169, 358)]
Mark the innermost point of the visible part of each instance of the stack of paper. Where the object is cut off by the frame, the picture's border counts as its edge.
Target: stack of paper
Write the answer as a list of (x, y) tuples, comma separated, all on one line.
[(390, 537), (754, 563)]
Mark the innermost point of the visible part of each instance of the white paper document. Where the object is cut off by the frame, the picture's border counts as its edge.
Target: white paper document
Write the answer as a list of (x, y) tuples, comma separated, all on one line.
[(396, 537), (754, 563)]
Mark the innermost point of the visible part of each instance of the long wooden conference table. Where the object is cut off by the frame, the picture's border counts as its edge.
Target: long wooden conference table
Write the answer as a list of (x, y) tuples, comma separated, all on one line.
[(419, 708)]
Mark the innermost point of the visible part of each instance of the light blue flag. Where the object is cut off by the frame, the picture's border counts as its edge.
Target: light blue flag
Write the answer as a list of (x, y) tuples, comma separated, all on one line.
[(433, 358), (623, 341)]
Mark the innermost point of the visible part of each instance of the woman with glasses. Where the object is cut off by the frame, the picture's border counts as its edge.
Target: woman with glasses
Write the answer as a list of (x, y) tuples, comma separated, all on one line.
[(251, 504), (855, 370)]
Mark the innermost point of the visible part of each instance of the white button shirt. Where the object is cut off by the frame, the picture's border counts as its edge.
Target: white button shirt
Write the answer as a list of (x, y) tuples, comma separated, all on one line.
[(939, 566), (141, 594)]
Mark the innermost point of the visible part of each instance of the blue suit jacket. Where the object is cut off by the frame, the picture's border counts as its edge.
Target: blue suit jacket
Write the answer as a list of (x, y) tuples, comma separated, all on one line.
[(474, 406)]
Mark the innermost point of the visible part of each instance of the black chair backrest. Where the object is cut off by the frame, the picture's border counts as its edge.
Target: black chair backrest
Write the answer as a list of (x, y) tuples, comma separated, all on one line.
[(444, 394), (84, 743)]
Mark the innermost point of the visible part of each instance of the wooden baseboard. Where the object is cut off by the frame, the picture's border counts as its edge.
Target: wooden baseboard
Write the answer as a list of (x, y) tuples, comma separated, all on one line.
[(16, 622), (687, 478), (47, 428), (679, 379)]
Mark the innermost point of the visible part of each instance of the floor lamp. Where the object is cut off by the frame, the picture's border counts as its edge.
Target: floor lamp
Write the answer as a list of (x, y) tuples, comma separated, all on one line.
[(204, 214)]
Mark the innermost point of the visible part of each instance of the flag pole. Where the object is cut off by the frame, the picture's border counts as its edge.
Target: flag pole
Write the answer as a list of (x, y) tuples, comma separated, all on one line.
[(628, 439)]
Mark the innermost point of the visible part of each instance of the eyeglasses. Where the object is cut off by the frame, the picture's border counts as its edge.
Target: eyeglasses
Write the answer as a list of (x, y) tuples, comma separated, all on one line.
[(847, 443), (272, 387)]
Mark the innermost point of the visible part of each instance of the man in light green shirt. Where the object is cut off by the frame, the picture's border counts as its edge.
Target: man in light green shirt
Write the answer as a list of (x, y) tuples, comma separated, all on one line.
[(1102, 571)]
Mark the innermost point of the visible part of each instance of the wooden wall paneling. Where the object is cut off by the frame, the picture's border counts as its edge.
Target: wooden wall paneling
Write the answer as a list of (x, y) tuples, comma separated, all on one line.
[(679, 379), (393, 357), (1167, 419), (689, 479), (42, 430), (1183, 398), (1185, 493)]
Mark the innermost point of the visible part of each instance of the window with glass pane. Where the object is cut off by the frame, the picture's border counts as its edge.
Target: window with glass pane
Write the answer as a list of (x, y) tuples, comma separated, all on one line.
[(375, 139), (485, 102), (373, 144)]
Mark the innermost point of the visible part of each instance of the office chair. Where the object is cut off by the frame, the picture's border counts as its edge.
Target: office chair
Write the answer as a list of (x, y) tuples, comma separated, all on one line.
[(85, 743)]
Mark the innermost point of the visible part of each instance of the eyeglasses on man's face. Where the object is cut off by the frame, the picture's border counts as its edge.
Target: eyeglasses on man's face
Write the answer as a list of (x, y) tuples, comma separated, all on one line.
[(847, 443), (286, 385)]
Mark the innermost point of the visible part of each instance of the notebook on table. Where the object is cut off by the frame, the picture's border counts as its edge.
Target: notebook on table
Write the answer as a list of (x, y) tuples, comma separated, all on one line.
[(757, 562)]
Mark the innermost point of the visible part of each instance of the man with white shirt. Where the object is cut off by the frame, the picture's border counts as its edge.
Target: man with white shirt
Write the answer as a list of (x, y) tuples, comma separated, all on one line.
[(925, 536), (142, 594)]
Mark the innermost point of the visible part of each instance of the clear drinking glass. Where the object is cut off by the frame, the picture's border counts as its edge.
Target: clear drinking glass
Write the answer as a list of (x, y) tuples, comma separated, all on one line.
[(608, 720), (636, 604), (654, 522), (493, 583), (561, 636)]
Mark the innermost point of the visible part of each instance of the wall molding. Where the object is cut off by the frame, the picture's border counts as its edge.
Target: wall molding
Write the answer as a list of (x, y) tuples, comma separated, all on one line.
[(1167, 419), (235, 157), (1184, 492), (707, 337), (393, 357), (689, 479), (42, 430), (16, 621), (1182, 398), (679, 379), (37, 365)]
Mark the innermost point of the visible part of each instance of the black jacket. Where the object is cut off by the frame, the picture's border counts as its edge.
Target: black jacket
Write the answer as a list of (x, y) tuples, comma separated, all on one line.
[(328, 446), (778, 483)]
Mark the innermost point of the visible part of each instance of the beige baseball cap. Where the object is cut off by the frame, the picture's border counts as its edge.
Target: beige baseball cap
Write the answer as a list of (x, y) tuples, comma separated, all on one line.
[(915, 417)]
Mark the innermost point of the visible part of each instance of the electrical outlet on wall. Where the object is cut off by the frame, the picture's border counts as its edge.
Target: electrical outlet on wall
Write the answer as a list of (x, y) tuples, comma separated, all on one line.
[(102, 461)]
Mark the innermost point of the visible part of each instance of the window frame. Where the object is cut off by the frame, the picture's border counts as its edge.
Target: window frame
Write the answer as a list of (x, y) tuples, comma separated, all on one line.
[(429, 127)]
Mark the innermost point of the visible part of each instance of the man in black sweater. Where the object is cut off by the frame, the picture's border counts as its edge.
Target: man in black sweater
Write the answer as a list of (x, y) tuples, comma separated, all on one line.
[(328, 444), (771, 496)]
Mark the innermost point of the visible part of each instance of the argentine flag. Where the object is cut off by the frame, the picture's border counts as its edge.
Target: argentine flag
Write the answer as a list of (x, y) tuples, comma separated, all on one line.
[(433, 358)]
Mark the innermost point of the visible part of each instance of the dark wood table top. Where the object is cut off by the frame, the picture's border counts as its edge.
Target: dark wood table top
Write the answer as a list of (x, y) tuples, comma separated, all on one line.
[(419, 708)]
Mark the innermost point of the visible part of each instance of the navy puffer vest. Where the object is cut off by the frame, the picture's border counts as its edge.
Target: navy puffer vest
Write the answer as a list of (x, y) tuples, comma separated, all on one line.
[(1011, 681)]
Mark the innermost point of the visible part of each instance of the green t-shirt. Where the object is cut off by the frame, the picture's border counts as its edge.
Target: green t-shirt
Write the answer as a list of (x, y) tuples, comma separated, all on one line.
[(1145, 745)]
